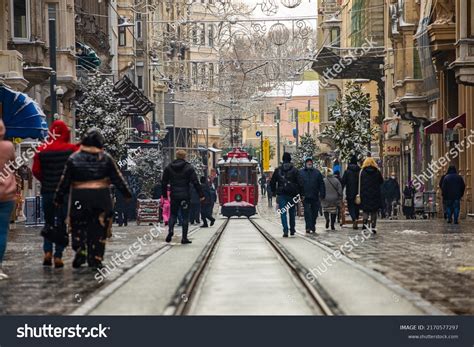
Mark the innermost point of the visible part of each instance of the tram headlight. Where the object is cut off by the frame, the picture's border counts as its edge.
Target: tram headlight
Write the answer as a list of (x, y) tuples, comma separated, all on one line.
[(238, 197)]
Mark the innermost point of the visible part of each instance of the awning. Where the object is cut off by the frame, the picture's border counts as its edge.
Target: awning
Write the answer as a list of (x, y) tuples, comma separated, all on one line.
[(21, 115), (435, 127), (133, 100), (214, 150), (87, 57), (452, 123)]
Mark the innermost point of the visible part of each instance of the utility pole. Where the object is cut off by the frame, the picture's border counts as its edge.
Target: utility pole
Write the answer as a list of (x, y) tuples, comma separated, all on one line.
[(278, 134), (52, 63), (310, 113), (295, 112), (261, 150)]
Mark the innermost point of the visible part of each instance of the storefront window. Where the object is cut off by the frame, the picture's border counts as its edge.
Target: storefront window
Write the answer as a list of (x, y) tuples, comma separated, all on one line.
[(20, 19)]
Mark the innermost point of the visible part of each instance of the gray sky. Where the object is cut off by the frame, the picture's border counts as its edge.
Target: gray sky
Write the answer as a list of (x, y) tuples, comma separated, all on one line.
[(307, 7)]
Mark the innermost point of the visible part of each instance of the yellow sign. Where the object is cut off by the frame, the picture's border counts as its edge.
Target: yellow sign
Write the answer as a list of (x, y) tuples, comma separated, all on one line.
[(266, 155), (307, 116), (17, 140)]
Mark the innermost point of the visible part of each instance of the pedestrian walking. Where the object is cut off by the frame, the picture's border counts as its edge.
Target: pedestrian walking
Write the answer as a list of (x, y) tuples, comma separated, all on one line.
[(332, 199), (453, 191), (391, 193), (166, 206), (207, 204), (179, 174), (313, 190), (121, 209), (269, 193), (263, 184), (350, 181), (195, 207), (48, 166), (286, 183), (371, 181), (409, 200), (88, 175), (337, 174), (7, 193)]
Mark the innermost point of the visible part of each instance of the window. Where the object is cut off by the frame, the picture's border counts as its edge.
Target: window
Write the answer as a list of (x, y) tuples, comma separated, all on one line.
[(203, 34), (203, 73), (140, 82), (331, 98), (122, 32), (194, 73), (334, 38), (21, 19), (214, 120), (211, 74), (138, 26), (211, 35), (194, 34), (416, 65)]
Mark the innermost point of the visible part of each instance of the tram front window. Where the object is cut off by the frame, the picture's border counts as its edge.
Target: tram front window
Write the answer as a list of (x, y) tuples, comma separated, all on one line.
[(237, 175)]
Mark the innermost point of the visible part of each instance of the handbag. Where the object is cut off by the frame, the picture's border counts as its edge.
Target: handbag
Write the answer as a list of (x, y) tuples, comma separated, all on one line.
[(358, 200), (56, 232), (408, 202)]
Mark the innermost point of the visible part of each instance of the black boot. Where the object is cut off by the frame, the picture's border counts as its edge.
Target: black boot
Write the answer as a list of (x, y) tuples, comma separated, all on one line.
[(326, 216), (365, 222), (333, 221), (213, 220), (355, 226), (184, 239), (79, 259), (169, 237)]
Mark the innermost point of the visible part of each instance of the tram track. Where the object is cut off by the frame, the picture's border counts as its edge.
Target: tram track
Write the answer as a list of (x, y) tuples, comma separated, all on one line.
[(186, 296)]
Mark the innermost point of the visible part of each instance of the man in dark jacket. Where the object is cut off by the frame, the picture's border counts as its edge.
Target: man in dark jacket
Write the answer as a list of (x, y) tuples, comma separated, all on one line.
[(207, 204), (48, 166), (195, 209), (350, 181), (179, 174), (453, 191), (263, 183), (286, 184), (391, 193), (313, 189)]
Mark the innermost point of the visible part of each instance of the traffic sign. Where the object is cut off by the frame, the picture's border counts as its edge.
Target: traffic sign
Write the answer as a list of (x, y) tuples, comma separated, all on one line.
[(258, 133)]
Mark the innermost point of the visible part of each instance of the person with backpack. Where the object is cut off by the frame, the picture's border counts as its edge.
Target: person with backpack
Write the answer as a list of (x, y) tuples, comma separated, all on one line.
[(286, 183), (332, 199), (314, 189), (48, 166), (179, 174)]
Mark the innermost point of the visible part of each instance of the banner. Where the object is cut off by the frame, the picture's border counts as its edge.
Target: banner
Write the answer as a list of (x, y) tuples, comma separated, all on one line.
[(266, 155), (307, 116), (392, 148)]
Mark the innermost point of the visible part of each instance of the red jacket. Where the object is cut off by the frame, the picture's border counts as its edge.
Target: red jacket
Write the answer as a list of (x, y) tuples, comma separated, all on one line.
[(59, 141)]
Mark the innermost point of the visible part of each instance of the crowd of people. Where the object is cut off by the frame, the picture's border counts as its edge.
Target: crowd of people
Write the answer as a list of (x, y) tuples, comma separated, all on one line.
[(76, 191), (362, 188)]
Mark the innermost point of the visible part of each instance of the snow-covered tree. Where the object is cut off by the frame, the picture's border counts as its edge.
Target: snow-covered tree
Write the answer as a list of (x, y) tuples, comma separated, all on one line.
[(197, 164), (351, 131), (99, 107), (307, 147), (147, 165)]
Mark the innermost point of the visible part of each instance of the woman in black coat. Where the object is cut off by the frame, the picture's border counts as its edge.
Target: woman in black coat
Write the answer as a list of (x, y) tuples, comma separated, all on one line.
[(371, 181), (409, 201)]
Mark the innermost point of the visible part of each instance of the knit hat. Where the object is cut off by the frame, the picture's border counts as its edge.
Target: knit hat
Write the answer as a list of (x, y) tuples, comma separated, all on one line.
[(353, 160), (286, 157)]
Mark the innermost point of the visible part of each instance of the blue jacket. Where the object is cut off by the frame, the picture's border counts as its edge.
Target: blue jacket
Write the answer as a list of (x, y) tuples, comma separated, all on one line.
[(313, 184), (453, 185)]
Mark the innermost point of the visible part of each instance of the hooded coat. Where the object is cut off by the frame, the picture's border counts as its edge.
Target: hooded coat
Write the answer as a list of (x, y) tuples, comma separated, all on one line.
[(179, 174), (333, 190), (350, 179), (313, 184), (51, 157), (371, 181), (453, 185)]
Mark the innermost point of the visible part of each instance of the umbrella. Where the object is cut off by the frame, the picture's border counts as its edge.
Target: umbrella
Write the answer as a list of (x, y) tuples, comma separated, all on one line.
[(22, 115)]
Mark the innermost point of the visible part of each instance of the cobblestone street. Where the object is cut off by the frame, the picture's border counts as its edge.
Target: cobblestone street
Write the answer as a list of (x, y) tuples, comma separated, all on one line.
[(34, 289), (428, 257)]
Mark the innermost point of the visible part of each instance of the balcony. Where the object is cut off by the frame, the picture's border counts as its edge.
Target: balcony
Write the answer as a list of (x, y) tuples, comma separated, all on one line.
[(464, 64), (11, 70)]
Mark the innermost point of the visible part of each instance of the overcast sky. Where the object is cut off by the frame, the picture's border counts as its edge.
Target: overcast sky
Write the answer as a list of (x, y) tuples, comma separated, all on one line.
[(306, 8)]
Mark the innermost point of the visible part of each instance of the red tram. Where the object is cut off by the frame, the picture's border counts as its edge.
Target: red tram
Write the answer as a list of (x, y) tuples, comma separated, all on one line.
[(238, 187)]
